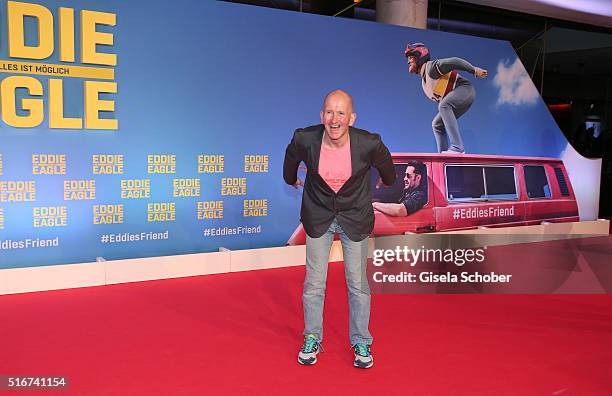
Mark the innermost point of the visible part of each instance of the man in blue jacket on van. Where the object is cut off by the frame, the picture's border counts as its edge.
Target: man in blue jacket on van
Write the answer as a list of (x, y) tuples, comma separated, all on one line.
[(414, 196)]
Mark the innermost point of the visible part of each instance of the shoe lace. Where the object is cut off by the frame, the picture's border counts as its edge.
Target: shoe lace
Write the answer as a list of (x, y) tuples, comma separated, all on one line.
[(362, 349), (310, 344)]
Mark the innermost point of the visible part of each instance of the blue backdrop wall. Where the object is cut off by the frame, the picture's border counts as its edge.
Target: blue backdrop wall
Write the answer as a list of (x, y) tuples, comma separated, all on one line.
[(201, 79)]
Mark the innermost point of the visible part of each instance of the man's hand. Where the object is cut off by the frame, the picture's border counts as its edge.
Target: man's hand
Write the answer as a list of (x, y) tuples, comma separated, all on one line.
[(481, 73), (298, 183)]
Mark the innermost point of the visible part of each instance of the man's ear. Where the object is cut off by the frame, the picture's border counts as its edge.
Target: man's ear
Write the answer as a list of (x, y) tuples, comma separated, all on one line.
[(321, 115), (353, 118)]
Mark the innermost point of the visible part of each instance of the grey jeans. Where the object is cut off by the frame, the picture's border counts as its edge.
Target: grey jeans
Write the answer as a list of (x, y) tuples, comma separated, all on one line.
[(444, 124), (313, 296)]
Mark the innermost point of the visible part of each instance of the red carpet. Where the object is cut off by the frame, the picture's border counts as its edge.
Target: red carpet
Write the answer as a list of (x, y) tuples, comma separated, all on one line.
[(240, 333)]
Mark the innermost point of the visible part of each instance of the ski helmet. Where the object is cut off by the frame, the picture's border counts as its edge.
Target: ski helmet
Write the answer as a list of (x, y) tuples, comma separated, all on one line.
[(419, 51)]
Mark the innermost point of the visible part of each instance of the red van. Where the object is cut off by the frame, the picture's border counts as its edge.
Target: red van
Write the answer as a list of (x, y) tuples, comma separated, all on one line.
[(444, 192)]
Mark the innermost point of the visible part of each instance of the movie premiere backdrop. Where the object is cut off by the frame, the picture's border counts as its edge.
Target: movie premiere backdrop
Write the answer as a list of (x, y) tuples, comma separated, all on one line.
[(134, 130)]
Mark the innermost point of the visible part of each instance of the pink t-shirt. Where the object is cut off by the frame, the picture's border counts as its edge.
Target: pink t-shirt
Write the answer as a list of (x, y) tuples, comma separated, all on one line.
[(335, 165)]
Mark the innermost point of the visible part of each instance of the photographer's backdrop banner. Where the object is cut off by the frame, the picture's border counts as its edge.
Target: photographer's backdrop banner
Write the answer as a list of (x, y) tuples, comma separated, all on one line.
[(135, 129)]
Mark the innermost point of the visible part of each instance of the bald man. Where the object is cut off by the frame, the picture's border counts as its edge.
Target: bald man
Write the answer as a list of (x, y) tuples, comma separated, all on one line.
[(337, 199)]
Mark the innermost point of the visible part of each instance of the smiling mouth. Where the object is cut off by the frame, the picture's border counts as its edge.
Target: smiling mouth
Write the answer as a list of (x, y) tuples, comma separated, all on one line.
[(334, 128)]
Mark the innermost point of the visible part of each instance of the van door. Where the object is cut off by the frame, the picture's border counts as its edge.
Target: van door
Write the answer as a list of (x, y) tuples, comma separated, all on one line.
[(548, 196)]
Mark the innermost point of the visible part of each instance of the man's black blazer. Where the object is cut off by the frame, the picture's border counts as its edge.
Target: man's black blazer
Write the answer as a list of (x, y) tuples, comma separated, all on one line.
[(352, 205)]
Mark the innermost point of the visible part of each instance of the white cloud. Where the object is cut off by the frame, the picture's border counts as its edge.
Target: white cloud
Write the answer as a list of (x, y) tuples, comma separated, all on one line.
[(515, 86)]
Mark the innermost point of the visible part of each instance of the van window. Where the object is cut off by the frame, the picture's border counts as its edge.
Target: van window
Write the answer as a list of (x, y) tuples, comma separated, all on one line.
[(537, 183), (398, 192), (475, 183), (464, 182), (500, 182)]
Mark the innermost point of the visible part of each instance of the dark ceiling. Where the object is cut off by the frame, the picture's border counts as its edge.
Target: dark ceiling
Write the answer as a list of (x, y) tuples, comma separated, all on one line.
[(560, 46)]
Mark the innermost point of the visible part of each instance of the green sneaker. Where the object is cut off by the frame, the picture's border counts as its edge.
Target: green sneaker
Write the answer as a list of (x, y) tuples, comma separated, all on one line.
[(310, 350), (363, 356)]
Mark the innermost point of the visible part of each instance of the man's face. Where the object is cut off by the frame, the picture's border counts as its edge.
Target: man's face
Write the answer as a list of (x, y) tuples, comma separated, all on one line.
[(337, 115), (411, 179), (412, 65)]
